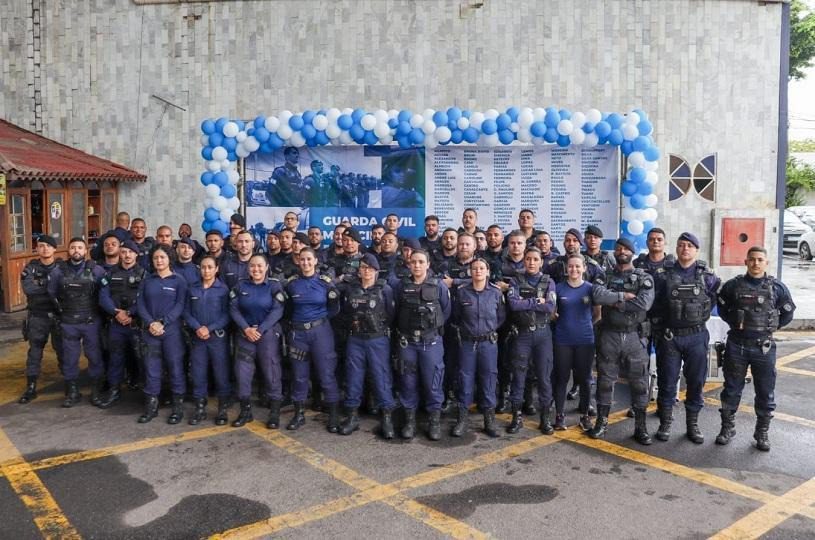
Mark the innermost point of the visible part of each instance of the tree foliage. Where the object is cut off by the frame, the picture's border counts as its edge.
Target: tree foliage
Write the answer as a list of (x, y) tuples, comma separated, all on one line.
[(802, 38), (800, 180), (806, 145)]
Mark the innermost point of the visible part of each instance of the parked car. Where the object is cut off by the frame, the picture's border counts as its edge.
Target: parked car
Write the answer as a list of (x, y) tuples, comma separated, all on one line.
[(794, 228), (806, 244), (805, 214)]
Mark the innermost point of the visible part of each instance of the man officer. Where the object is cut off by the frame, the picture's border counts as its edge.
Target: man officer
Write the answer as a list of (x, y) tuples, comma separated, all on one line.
[(754, 305), (42, 314)]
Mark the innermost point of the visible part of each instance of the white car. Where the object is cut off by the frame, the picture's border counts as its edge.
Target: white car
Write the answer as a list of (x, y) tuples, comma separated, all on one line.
[(794, 229), (805, 214), (806, 245)]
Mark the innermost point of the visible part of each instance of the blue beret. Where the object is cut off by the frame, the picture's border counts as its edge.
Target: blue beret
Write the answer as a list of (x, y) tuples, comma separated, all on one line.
[(370, 260), (412, 243), (689, 237), (627, 244), (131, 245), (574, 232)]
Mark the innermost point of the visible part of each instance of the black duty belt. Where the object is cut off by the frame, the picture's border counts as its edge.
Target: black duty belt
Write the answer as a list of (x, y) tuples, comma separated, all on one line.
[(533, 327), (369, 335), (759, 342), (416, 336), (492, 336), (670, 333), (308, 325)]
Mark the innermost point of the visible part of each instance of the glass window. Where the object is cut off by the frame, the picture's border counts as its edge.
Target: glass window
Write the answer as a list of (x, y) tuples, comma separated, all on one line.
[(108, 214), (78, 213), (56, 216), (17, 222)]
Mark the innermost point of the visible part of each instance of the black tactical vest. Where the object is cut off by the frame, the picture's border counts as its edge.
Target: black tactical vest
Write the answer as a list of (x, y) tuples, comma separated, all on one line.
[(124, 285), (420, 310), (625, 321), (78, 298), (365, 310), (759, 305), (526, 291), (36, 274), (688, 302), (457, 270)]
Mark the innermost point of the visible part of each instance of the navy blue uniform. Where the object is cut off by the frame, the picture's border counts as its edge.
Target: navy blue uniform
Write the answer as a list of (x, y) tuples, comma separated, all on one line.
[(477, 316), (258, 305), (162, 299), (209, 307), (42, 319), (189, 271), (573, 343), (120, 288), (557, 269), (233, 270)]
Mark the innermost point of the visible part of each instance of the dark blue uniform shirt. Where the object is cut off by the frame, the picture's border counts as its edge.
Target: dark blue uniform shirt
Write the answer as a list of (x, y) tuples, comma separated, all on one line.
[(257, 304), (478, 313), (189, 271), (207, 306), (728, 305), (516, 303), (574, 309), (162, 299), (310, 298)]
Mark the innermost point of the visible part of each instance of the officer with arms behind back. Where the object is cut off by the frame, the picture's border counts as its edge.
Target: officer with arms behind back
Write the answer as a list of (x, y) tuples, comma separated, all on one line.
[(754, 305)]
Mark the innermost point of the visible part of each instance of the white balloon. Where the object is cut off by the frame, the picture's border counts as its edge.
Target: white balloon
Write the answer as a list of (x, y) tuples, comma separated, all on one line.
[(651, 177), (204, 140), (231, 129), (208, 202), (635, 227), (219, 203), (538, 141), (491, 114), (381, 130), (578, 119), (345, 138), (651, 165), (272, 123), (632, 118), (284, 131), (320, 122), (226, 213), (630, 132), (381, 116), (463, 123), (430, 141), (490, 140), (650, 214), (226, 165), (219, 153), (387, 139), (251, 143), (234, 176), (524, 135), (526, 117), (539, 113), (347, 110), (565, 127), (593, 116), (212, 191), (332, 114), (336, 141), (284, 116), (443, 134), (476, 119), (514, 127), (628, 213), (240, 137), (392, 113), (578, 136), (428, 127), (368, 122), (416, 120), (234, 203), (591, 139), (651, 200), (213, 166), (428, 113), (333, 131), (242, 152), (636, 159), (297, 139)]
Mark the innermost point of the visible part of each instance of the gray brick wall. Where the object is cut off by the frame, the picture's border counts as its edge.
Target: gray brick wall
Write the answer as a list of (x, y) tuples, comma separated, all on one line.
[(705, 70)]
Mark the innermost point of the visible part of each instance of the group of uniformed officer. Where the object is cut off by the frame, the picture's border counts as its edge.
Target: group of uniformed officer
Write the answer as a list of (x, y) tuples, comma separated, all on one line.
[(434, 323)]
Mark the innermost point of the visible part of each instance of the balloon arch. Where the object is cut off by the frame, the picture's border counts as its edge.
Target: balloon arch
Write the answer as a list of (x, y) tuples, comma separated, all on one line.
[(224, 141)]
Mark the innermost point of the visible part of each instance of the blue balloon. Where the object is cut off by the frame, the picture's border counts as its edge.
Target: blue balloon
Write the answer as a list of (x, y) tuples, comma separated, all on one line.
[(642, 114), (588, 127), (537, 129), (220, 225), (623, 226), (489, 126), (453, 114), (216, 139), (552, 117), (232, 156), (551, 135), (645, 127), (220, 179), (404, 116), (440, 118), (392, 123), (403, 140), (640, 144), (321, 138), (602, 129), (220, 123), (206, 178), (417, 136), (208, 127), (275, 141), (637, 175), (260, 121), (565, 114), (262, 134), (229, 191), (506, 136), (356, 132), (265, 148), (466, 113), (345, 122), (563, 141), (637, 202), (308, 131), (629, 236), (471, 134), (206, 225), (403, 128), (513, 113), (456, 136), (250, 131), (308, 116), (651, 153), (647, 225), (615, 120), (370, 138), (206, 153), (642, 239), (602, 140), (615, 137), (627, 147), (628, 188), (645, 189), (357, 114), (241, 124), (296, 122), (230, 143), (503, 121)]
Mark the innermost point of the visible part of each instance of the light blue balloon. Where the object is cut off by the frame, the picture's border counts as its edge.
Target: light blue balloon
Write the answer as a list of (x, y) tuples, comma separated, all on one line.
[(615, 120), (345, 122), (513, 113), (641, 143), (308, 116), (651, 153), (627, 147), (565, 114), (537, 129), (206, 153), (637, 175), (357, 115), (216, 139), (228, 191), (230, 143), (637, 202), (453, 114), (220, 123), (206, 178), (220, 179), (506, 136), (489, 126), (503, 121), (404, 116), (392, 123), (645, 189), (206, 225), (456, 136), (208, 127), (628, 188), (471, 134), (296, 122), (440, 118), (552, 117), (615, 137), (220, 225), (602, 129), (645, 127), (211, 214)]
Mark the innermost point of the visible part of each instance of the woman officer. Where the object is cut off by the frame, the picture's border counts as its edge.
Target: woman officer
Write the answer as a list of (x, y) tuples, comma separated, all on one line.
[(207, 315), (160, 306), (313, 300), (256, 305)]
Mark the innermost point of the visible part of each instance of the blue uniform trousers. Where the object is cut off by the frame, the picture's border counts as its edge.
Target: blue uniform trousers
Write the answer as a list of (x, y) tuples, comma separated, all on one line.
[(370, 356), (122, 342), (40, 326), (422, 364), (740, 355), (266, 354), (317, 345), (81, 336), (535, 349), (215, 352), (165, 351), (477, 359), (692, 350)]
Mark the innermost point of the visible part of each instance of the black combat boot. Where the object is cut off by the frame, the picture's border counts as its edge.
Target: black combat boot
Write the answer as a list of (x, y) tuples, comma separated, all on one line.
[(692, 423), (503, 404), (350, 424), (585, 422), (273, 422), (529, 399), (409, 429), (299, 418), (517, 419), (200, 412), (222, 417), (546, 423), (97, 387), (571, 395), (30, 393), (489, 423), (641, 427), (150, 409), (560, 422), (601, 424), (72, 395), (177, 411), (761, 435), (372, 407), (448, 403), (245, 414), (333, 425), (387, 424), (111, 397), (728, 430), (666, 418), (434, 427), (461, 421)]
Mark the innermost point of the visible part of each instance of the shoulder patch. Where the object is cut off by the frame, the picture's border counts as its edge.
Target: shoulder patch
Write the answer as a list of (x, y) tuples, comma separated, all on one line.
[(280, 296), (647, 282), (325, 278), (787, 307), (233, 294)]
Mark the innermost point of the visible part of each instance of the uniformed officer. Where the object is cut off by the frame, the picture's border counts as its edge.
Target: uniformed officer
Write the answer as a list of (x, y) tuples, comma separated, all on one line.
[(593, 236), (448, 251), (41, 320), (422, 307), (215, 246), (117, 298), (160, 305), (313, 300), (346, 267), (431, 241), (138, 232), (531, 299), (74, 286), (685, 294), (256, 306), (654, 261), (184, 265), (543, 241), (572, 242), (388, 253), (478, 311), (235, 268), (495, 246), (367, 310), (110, 251), (626, 299), (754, 305)]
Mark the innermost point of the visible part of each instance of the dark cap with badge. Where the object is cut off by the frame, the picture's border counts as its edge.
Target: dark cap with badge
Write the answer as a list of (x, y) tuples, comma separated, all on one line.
[(46, 239), (627, 244), (369, 259), (412, 243), (186, 240), (131, 245), (594, 230), (302, 238), (689, 237), (353, 234), (574, 232)]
